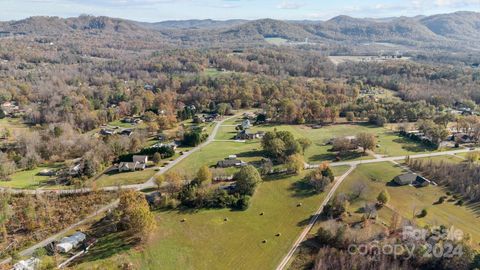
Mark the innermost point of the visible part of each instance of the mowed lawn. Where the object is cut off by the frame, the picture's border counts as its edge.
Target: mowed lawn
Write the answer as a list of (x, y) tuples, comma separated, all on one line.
[(225, 239), (124, 178), (216, 151), (409, 201), (445, 158), (29, 179)]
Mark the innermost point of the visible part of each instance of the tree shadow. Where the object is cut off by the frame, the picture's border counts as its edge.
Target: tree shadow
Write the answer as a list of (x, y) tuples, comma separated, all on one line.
[(412, 146), (306, 221), (302, 189), (250, 154), (108, 246)]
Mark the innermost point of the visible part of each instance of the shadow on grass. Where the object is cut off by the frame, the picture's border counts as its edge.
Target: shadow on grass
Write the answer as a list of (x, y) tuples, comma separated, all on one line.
[(335, 156), (250, 154), (474, 207), (302, 189), (108, 246), (412, 146), (307, 221)]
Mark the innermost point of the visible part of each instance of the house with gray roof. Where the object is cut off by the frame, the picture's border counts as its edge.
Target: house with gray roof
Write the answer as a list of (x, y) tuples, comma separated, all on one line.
[(411, 179)]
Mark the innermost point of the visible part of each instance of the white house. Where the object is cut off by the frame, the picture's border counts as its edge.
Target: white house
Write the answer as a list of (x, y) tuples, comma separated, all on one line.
[(140, 159), (131, 166)]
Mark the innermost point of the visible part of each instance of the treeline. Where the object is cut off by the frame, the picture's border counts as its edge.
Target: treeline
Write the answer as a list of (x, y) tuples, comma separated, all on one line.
[(462, 178)]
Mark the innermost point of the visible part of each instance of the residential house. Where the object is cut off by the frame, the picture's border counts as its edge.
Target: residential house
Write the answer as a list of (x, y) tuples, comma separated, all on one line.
[(411, 179), (11, 109), (231, 161), (173, 145), (463, 138), (131, 166), (247, 135), (138, 163), (140, 159)]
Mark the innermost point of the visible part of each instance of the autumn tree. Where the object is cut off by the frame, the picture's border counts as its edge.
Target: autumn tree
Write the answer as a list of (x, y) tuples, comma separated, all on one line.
[(280, 144), (383, 197), (247, 180), (304, 143), (135, 215), (321, 177), (159, 180), (204, 175), (173, 181), (296, 163), (367, 141), (157, 157)]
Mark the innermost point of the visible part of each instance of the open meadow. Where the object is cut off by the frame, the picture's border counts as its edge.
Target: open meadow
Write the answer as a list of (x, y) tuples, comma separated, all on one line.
[(221, 239)]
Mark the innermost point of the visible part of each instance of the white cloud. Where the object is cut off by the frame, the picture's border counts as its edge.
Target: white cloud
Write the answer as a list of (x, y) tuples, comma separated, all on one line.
[(290, 5)]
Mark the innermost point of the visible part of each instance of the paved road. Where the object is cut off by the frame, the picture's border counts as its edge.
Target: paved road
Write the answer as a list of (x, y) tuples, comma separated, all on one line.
[(396, 158), (211, 138), (314, 218)]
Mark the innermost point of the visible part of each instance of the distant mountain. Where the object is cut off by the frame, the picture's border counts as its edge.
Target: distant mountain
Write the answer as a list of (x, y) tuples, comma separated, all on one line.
[(460, 25), (265, 28), (455, 31), (194, 24), (53, 26)]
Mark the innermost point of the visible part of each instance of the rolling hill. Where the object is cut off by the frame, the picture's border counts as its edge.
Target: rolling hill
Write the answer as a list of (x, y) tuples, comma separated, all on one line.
[(455, 31)]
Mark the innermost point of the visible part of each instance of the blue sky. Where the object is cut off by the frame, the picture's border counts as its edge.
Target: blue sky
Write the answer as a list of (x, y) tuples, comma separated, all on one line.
[(159, 10)]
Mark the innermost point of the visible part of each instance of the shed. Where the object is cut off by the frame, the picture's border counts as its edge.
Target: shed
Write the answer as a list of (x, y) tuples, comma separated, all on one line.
[(70, 242), (30, 264)]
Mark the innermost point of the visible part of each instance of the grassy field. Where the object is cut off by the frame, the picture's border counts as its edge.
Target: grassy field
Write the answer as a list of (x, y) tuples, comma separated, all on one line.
[(13, 125), (206, 241), (446, 158), (276, 41), (389, 143), (216, 151), (29, 179), (124, 178), (409, 201)]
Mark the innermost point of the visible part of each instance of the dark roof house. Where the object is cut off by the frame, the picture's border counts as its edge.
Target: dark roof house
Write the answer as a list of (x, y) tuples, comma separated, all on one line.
[(411, 179), (226, 163)]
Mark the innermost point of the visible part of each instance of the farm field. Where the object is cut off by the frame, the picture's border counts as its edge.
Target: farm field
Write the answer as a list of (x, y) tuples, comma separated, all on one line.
[(232, 244), (409, 201)]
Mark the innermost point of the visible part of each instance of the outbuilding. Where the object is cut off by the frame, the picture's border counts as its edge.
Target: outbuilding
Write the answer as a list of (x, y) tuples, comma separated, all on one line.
[(68, 243)]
